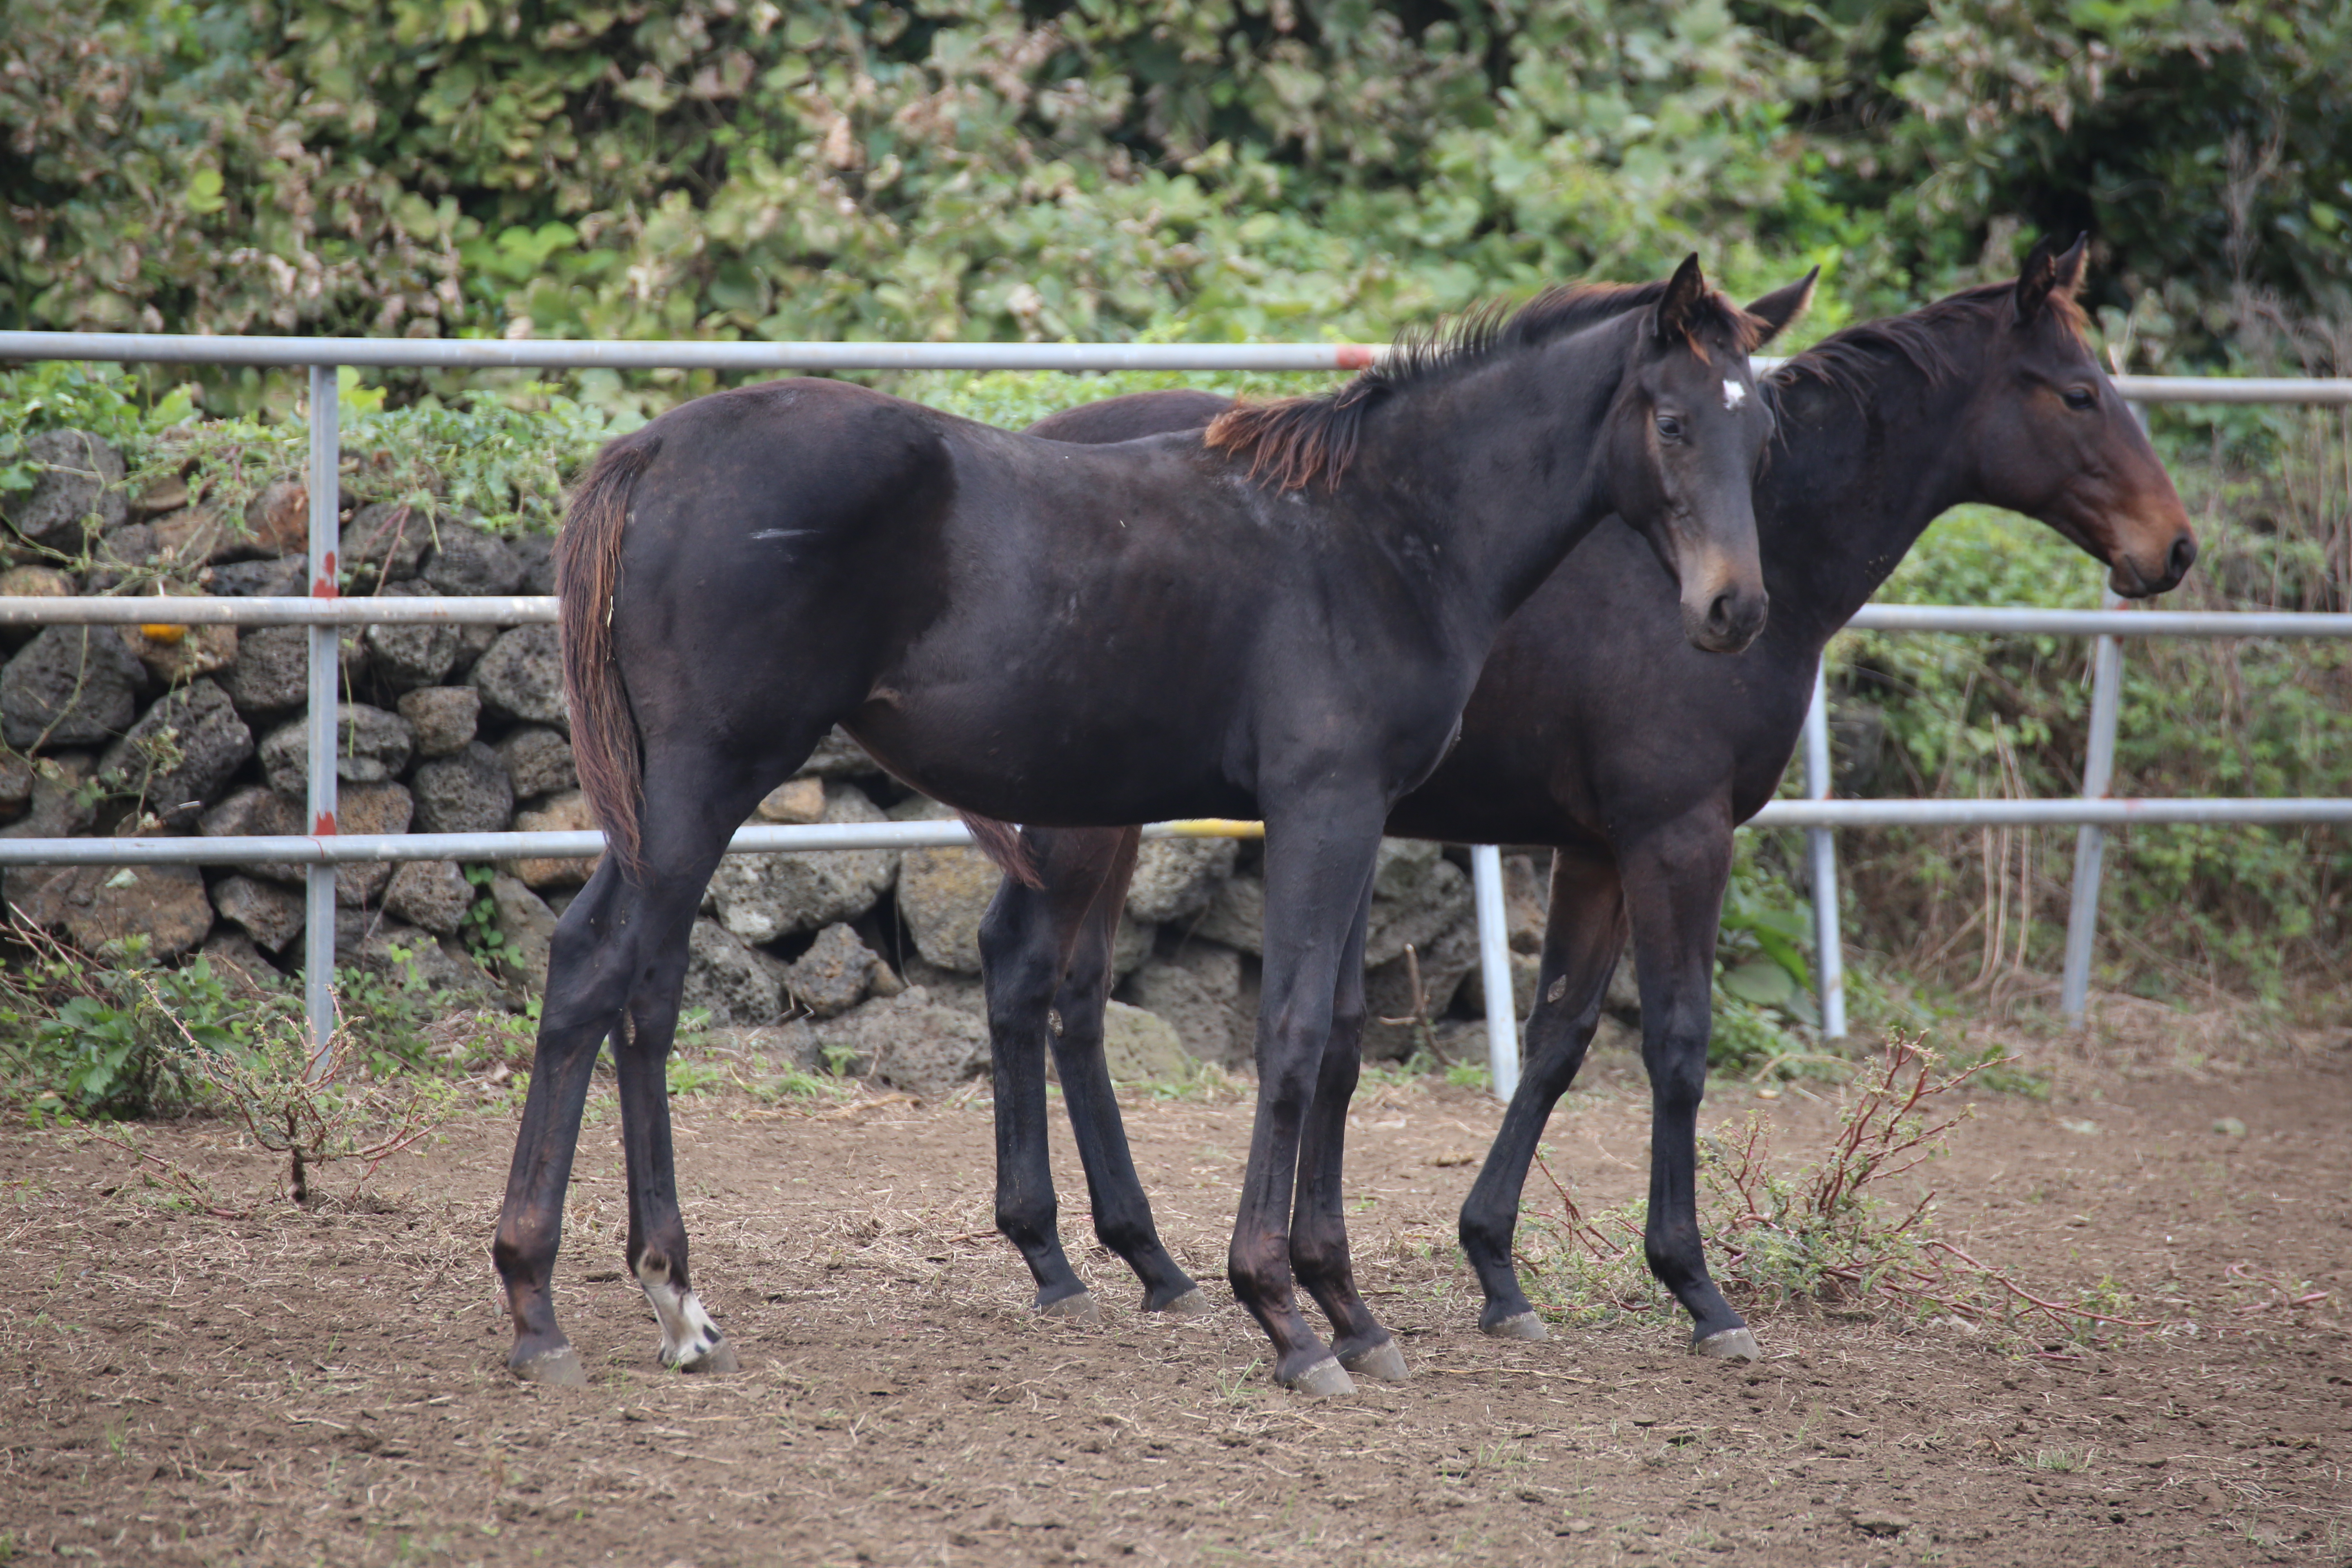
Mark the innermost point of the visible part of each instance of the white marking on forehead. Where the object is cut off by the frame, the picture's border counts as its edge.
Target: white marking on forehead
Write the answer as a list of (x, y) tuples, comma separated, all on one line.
[(1734, 395)]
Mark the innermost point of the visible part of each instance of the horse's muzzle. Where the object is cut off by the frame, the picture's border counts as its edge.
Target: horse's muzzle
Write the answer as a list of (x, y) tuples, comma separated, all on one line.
[(1728, 621), (2134, 578)]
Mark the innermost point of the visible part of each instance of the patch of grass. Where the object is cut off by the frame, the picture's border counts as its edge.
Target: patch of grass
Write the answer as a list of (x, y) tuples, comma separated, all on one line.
[(684, 1075), (2058, 1461)]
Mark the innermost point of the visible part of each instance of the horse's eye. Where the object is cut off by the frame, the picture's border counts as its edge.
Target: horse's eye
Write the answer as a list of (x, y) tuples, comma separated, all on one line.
[(2079, 398), (1670, 427)]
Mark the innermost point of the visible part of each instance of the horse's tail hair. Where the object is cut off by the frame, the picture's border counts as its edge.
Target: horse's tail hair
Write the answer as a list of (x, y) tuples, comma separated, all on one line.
[(1002, 843), (587, 576)]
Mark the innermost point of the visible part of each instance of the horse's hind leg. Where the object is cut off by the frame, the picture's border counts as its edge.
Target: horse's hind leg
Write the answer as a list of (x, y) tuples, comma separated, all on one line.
[(691, 1342), (1318, 1227), (1046, 955), (693, 804), (1027, 941), (588, 984), (619, 952), (1122, 1212), (1583, 936)]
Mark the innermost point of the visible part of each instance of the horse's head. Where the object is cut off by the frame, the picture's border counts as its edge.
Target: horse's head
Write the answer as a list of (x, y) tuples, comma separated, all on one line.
[(1683, 444), (2055, 440)]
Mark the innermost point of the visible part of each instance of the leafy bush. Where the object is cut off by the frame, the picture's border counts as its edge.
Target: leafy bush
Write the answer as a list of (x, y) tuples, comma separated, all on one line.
[(117, 1039), (1268, 169)]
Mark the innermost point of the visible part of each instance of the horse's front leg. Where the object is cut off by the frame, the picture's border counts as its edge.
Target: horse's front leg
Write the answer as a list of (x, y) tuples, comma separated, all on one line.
[(1319, 1232), (1320, 847), (1675, 878), (1584, 934)]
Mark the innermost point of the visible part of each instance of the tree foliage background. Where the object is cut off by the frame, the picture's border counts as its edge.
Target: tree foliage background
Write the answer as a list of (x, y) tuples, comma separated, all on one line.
[(1269, 168)]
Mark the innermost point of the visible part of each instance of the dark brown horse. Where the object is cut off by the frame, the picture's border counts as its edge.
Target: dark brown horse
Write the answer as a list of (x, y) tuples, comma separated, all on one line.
[(1281, 616), (1596, 728)]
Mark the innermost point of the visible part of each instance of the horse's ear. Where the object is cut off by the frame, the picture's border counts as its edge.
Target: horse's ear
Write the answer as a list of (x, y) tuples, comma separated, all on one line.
[(2047, 270), (1677, 308), (2068, 268), (1783, 306)]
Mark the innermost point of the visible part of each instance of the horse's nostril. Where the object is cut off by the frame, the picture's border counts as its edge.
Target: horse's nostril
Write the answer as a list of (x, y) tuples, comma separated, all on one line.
[(1720, 612), (2184, 555)]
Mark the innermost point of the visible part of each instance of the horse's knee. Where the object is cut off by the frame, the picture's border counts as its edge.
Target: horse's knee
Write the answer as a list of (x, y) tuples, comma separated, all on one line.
[(1680, 1083)]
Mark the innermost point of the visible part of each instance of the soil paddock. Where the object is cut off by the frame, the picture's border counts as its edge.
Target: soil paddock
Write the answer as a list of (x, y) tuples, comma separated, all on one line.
[(326, 1387)]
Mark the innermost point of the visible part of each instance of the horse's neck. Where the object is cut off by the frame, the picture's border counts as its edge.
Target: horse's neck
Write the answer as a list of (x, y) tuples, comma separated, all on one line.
[(1503, 467), (1855, 480)]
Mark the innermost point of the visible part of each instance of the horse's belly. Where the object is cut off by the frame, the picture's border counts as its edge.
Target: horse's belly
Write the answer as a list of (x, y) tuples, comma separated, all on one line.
[(1033, 760)]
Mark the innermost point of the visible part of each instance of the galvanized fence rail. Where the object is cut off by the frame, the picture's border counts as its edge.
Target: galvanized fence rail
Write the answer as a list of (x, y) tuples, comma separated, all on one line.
[(323, 610)]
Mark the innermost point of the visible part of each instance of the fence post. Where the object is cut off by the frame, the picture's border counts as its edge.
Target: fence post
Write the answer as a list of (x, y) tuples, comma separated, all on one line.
[(2090, 839), (1829, 947), (323, 725), (1495, 969)]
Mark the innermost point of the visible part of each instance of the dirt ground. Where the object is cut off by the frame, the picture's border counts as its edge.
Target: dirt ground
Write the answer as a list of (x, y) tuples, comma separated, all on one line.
[(326, 1387)]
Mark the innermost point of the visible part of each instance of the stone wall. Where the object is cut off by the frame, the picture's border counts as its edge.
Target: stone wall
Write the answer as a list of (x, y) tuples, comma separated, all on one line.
[(156, 731)]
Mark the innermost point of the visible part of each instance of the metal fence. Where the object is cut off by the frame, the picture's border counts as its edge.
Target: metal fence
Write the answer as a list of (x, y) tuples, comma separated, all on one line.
[(323, 611)]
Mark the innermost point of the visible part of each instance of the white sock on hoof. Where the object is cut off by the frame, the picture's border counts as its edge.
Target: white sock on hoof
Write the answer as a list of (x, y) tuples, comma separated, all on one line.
[(687, 1333)]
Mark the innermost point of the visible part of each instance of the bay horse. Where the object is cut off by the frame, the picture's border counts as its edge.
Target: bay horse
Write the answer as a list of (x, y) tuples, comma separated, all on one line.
[(1597, 730), (1281, 616)]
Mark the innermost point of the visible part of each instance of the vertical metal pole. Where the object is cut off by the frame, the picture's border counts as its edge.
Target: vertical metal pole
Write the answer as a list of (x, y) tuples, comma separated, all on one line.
[(1829, 944), (326, 709), (1495, 969), (2090, 840)]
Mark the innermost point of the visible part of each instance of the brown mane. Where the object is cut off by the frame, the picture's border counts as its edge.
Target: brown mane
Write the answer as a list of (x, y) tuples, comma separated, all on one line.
[(1295, 441), (1849, 360)]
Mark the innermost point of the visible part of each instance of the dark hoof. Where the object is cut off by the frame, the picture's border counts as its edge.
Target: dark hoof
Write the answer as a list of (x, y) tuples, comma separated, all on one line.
[(558, 1368), (1519, 1326), (721, 1359), (1732, 1344), (1383, 1361), (1081, 1307), (1191, 1304), (1327, 1379)]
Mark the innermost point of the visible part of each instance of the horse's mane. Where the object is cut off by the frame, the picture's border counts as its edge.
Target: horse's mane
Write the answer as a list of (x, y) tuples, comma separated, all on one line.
[(1850, 360), (1297, 440)]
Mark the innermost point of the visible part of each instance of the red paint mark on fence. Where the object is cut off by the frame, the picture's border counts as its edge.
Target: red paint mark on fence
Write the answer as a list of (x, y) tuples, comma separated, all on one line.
[(1356, 357), (324, 828), (324, 589)]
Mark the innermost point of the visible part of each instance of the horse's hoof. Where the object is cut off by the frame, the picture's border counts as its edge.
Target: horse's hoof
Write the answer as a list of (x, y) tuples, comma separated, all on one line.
[(1191, 1304), (1327, 1379), (558, 1368), (1518, 1326), (1732, 1344), (719, 1360), (1383, 1361), (1081, 1307)]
